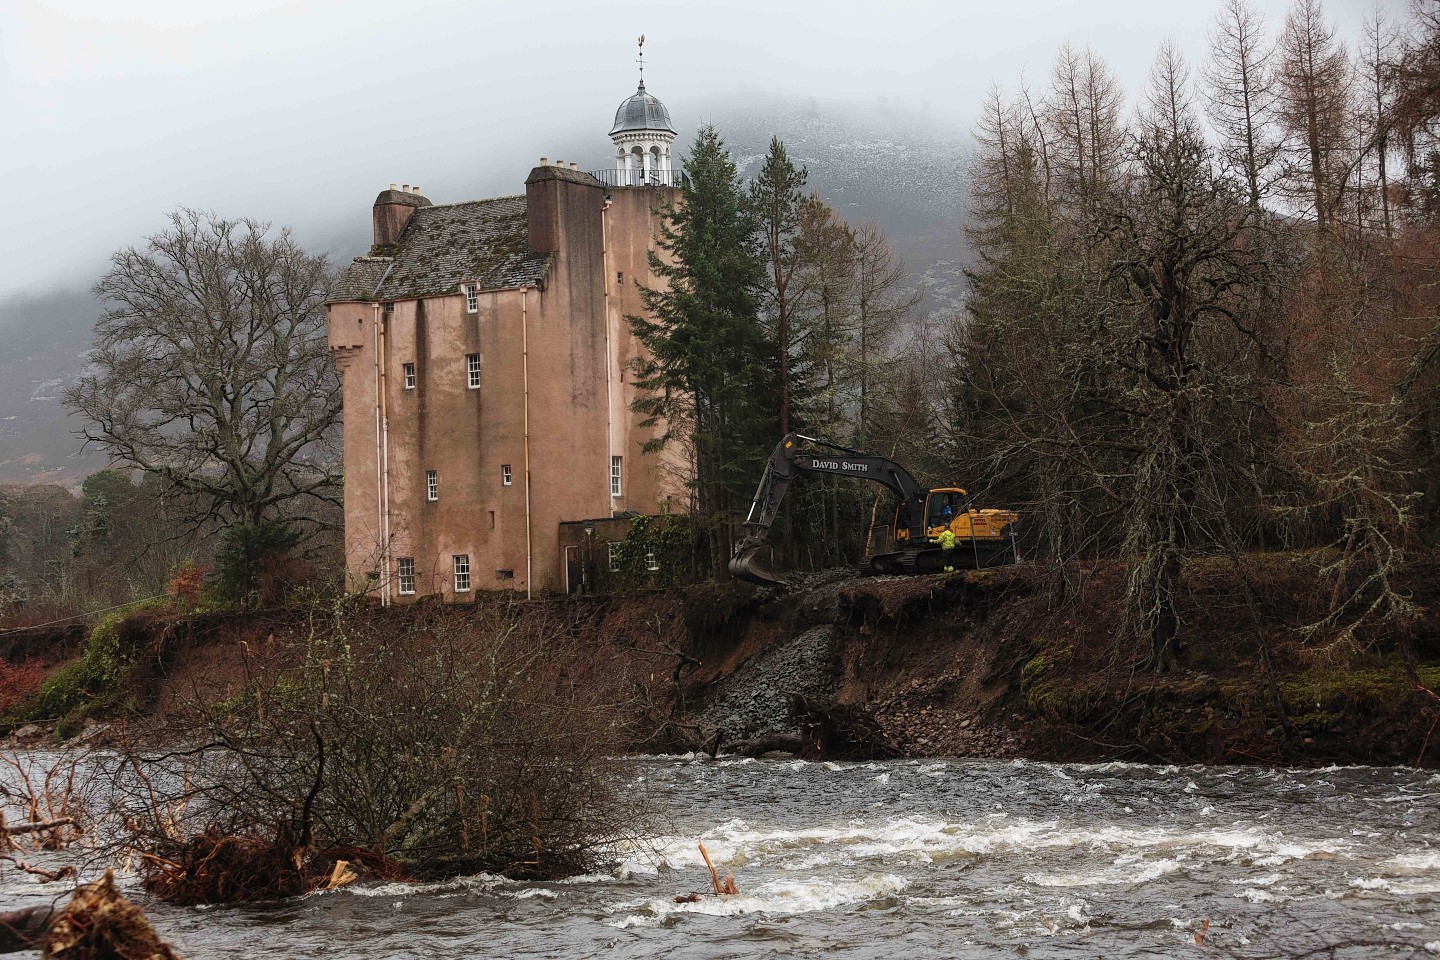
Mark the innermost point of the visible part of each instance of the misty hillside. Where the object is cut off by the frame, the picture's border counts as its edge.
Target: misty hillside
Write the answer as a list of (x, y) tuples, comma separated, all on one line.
[(875, 160)]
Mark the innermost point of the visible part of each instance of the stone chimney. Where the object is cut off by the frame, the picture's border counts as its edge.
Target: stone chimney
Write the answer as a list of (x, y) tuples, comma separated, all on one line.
[(557, 199), (392, 211)]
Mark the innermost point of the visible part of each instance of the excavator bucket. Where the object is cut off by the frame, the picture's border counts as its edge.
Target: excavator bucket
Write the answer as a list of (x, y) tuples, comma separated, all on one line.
[(752, 564)]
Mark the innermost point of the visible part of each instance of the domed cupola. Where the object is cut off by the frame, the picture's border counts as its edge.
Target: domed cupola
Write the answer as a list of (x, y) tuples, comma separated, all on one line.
[(643, 136), (642, 112)]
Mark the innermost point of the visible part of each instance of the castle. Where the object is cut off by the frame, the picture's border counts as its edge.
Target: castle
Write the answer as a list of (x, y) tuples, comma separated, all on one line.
[(487, 366)]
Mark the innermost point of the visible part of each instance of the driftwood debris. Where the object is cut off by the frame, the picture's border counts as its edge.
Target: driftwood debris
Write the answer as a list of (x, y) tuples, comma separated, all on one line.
[(98, 923), (723, 886), (10, 829)]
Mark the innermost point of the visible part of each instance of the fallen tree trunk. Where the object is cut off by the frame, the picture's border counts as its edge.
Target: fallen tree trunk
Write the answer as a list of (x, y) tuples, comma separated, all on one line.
[(25, 929), (782, 742)]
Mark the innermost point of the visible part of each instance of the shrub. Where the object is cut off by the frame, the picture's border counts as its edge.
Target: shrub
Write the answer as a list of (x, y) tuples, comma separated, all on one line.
[(254, 563), (452, 746)]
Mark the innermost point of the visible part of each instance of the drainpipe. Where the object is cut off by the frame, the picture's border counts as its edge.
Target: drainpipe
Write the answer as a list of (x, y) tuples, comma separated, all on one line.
[(609, 358), (525, 377), (382, 456)]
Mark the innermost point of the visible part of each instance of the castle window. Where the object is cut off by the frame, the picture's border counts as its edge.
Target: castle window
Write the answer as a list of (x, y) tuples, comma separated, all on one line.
[(505, 476), (462, 573), (614, 551), (504, 574), (616, 473), (432, 485), (409, 371), (472, 370), (405, 570), (619, 277), (651, 563), (472, 298)]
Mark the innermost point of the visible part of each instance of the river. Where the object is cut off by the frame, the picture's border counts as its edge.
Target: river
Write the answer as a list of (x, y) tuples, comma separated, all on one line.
[(925, 859)]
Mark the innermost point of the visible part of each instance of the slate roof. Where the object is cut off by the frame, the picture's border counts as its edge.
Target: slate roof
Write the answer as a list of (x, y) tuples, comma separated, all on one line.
[(485, 242), (360, 279)]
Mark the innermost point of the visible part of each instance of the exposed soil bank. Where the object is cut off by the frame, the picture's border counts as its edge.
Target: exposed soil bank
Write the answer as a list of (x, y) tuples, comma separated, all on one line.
[(967, 664)]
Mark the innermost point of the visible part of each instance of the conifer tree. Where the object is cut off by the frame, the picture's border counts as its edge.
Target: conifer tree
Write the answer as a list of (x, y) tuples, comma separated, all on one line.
[(706, 370), (775, 202)]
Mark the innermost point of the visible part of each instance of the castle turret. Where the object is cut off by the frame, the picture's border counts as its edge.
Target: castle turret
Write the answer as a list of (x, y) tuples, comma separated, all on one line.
[(643, 136)]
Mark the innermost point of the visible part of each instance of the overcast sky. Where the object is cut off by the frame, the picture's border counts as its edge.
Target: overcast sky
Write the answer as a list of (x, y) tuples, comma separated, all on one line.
[(298, 111)]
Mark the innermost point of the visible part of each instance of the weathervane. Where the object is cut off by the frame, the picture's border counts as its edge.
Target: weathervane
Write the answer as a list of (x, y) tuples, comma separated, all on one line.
[(641, 59)]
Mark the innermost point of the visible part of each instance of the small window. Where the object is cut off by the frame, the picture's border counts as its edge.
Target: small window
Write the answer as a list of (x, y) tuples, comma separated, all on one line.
[(651, 563), (406, 574), (616, 472), (462, 573), (614, 551), (472, 298), (504, 574), (505, 475), (492, 519), (619, 277), (409, 369), (472, 370), (432, 485)]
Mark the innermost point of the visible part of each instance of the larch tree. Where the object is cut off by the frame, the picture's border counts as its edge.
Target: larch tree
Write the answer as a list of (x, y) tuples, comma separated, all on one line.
[(884, 300), (1379, 49), (1314, 80), (1084, 127), (1240, 96)]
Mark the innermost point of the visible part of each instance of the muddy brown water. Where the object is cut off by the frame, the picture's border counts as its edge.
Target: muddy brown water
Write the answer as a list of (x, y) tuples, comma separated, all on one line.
[(924, 859)]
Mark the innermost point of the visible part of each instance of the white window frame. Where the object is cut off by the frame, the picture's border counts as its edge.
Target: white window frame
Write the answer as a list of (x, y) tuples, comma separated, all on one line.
[(507, 476), (472, 297), (617, 476), (652, 563), (432, 485), (461, 562), (407, 370), (613, 549), (472, 371), (405, 575)]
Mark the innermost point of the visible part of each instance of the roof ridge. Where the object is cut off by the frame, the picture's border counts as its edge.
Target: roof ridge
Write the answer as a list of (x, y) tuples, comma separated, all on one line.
[(465, 203)]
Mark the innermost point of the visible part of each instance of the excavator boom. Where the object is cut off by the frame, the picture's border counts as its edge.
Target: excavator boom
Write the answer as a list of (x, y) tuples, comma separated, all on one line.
[(796, 453)]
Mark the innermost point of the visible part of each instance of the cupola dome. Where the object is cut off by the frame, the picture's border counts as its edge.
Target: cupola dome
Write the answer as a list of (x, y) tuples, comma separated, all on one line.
[(642, 112)]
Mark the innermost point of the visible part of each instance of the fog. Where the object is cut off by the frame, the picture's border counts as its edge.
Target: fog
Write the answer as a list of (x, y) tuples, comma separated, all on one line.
[(298, 112)]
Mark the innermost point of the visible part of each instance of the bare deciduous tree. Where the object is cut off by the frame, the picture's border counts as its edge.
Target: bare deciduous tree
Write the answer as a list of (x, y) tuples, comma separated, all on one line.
[(1240, 98), (211, 369)]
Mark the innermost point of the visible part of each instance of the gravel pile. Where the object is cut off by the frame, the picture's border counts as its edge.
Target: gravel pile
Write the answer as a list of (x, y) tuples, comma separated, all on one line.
[(755, 699)]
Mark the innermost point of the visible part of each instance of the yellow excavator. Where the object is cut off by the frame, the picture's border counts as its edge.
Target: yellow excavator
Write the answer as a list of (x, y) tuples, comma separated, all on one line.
[(933, 530)]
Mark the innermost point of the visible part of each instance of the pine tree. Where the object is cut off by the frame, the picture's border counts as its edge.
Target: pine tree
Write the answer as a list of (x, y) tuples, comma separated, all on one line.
[(706, 368)]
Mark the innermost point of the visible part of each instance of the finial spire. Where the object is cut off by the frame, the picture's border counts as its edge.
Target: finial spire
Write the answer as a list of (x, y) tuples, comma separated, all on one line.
[(641, 60)]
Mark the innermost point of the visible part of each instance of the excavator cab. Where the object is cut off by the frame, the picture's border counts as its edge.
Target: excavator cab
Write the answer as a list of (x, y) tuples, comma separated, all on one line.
[(942, 506)]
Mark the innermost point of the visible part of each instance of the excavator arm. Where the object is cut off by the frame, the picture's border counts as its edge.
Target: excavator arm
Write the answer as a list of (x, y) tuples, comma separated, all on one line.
[(796, 453)]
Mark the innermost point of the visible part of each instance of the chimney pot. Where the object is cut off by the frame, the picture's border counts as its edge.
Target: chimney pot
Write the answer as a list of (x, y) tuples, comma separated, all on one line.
[(417, 190), (393, 186), (405, 188), (544, 161), (574, 165)]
